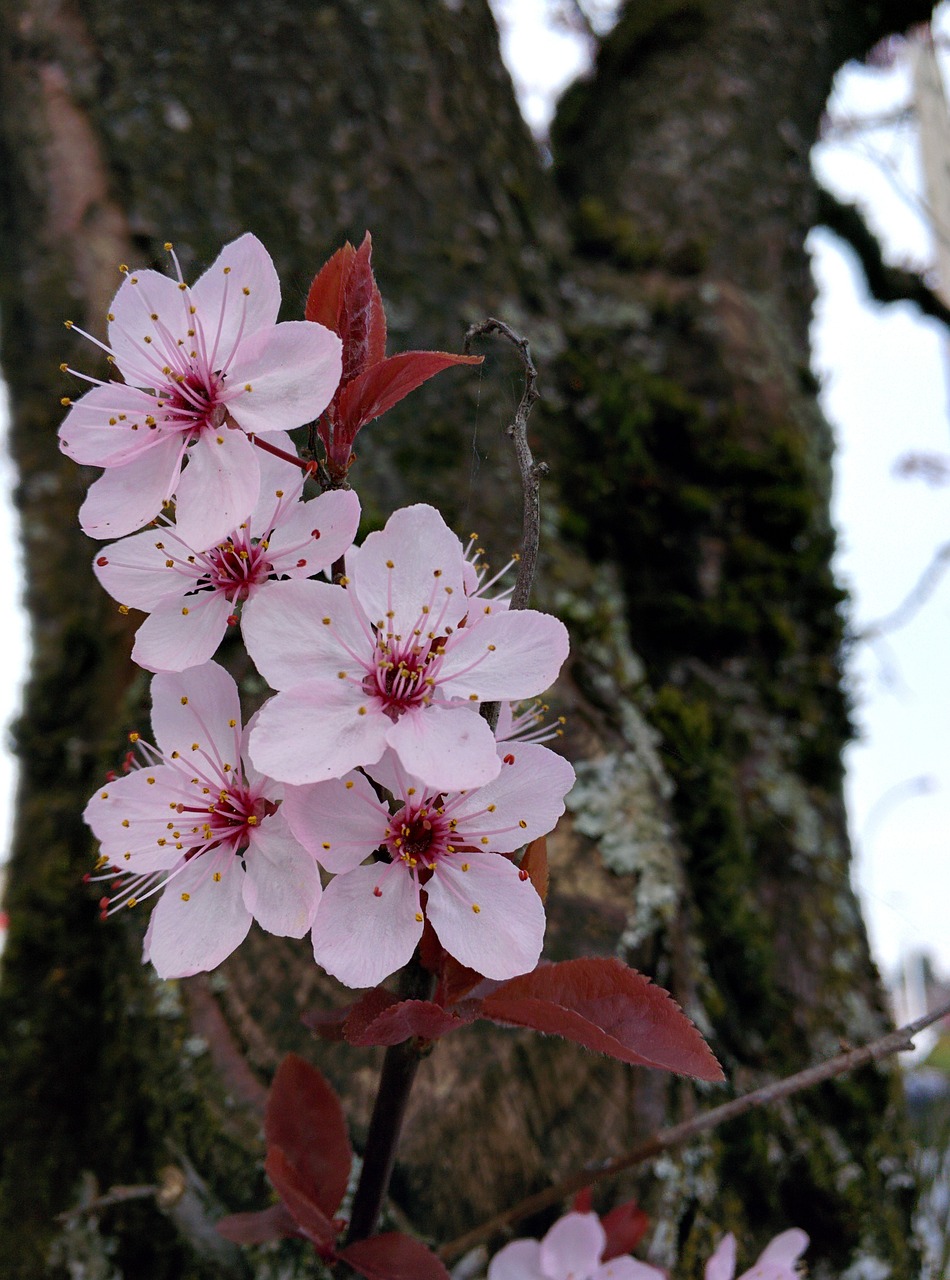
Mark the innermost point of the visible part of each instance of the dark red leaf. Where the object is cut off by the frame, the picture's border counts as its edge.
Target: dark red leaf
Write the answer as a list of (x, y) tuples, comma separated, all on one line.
[(609, 1008), (455, 981), (365, 1011), (382, 385), (535, 862), (625, 1227), (583, 1201), (326, 1023), (325, 299), (257, 1228), (401, 1021), (393, 1256), (296, 1195), (305, 1120), (363, 320)]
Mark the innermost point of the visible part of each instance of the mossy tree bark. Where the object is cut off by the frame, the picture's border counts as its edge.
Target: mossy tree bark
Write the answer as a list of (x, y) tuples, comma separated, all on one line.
[(659, 271)]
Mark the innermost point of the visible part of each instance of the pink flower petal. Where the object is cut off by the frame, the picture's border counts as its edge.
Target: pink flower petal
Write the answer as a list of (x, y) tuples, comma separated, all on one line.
[(317, 532), (124, 498), (626, 1268), (198, 706), (292, 370), (218, 295), (181, 633), (507, 656), (450, 747), (778, 1258), (314, 732), (277, 474), (501, 939), (288, 640), (199, 920), (142, 295), (571, 1249), (528, 795), (282, 884), (135, 572), (93, 432), (340, 822), (143, 805), (218, 488), (427, 572), (361, 938), (722, 1263), (520, 1260)]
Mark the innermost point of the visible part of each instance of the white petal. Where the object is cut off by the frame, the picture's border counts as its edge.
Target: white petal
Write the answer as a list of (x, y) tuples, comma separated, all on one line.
[(282, 884), (426, 573), (450, 747), (625, 1268), (195, 933), (520, 1260), (503, 937), (360, 937), (290, 643), (314, 732), (292, 370), (198, 706), (341, 822), (220, 301), (134, 569), (142, 295), (182, 633), (277, 474), (106, 427), (125, 498), (218, 488), (316, 532), (573, 1246), (507, 656), (143, 805), (722, 1263), (528, 797)]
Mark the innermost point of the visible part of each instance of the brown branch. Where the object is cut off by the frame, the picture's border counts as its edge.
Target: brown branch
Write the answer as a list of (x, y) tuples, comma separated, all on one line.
[(885, 282), (893, 1042), (530, 471), (915, 599)]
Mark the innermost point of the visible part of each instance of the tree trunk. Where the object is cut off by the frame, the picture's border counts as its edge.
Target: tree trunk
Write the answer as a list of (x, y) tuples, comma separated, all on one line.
[(659, 271)]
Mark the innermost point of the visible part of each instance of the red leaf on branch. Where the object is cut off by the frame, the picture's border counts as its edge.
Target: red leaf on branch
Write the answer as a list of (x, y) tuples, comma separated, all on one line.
[(535, 862), (257, 1228), (584, 1201), (401, 1021), (380, 386), (456, 981), (305, 1121), (393, 1256), (602, 1004), (300, 1201), (625, 1227), (325, 299)]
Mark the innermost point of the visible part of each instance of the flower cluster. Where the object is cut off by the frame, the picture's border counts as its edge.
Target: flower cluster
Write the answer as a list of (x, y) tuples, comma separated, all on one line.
[(576, 1248), (371, 764)]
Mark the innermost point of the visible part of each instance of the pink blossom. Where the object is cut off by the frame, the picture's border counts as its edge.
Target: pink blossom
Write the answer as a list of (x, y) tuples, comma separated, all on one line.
[(776, 1262), (206, 368), (571, 1250), (445, 861), (199, 822), (400, 657), (193, 595)]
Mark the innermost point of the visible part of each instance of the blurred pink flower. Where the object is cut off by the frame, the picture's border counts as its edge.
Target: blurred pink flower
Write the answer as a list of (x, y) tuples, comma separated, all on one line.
[(571, 1250)]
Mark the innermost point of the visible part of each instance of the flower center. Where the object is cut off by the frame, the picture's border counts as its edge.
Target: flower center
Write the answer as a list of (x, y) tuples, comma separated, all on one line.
[(192, 401), (236, 566), (404, 674), (419, 837)]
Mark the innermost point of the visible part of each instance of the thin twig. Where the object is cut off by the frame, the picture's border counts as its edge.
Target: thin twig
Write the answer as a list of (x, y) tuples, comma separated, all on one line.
[(915, 599), (893, 1042), (531, 472)]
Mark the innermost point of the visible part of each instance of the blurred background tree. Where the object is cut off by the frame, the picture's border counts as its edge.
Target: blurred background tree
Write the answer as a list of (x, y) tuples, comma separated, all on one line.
[(656, 263)]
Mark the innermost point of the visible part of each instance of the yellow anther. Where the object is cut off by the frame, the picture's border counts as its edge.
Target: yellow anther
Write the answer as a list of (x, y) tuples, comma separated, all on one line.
[(349, 784), (216, 877), (419, 917), (104, 795), (252, 821), (184, 613), (186, 897), (150, 781), (65, 400), (362, 711), (484, 839), (491, 648), (476, 908), (194, 746), (246, 291), (133, 902), (465, 866), (326, 622), (326, 844)]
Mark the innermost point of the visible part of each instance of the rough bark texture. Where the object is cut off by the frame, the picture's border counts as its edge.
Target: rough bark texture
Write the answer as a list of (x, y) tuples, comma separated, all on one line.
[(660, 273)]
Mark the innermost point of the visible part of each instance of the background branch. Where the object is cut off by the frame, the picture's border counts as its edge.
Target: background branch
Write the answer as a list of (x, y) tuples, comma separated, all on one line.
[(893, 1042), (885, 283)]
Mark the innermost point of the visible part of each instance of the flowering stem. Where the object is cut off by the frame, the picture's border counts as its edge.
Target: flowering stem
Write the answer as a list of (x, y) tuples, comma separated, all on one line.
[(395, 1081), (893, 1042), (307, 467)]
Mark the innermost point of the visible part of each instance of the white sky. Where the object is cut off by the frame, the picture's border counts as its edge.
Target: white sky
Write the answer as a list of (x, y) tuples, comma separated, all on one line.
[(886, 392)]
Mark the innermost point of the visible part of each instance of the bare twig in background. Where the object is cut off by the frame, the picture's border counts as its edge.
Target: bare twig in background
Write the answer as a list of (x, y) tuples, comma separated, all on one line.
[(915, 599), (677, 1134)]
